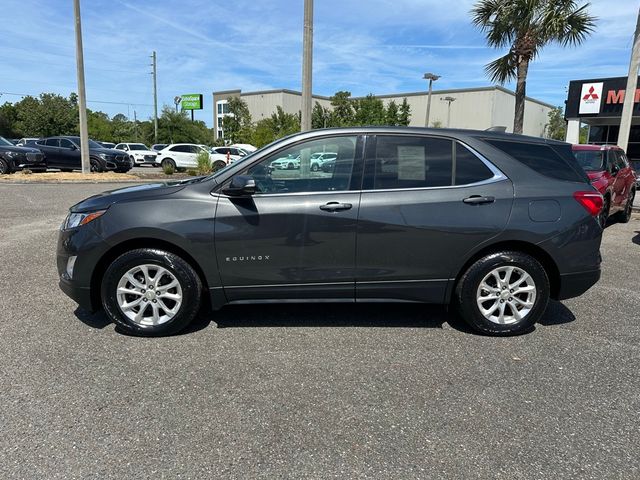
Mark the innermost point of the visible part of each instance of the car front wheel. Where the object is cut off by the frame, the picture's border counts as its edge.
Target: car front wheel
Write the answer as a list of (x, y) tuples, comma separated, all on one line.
[(5, 168), (151, 292), (503, 293)]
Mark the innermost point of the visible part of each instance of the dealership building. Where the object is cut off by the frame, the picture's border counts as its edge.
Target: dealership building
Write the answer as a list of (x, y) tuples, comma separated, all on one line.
[(598, 104), (475, 108)]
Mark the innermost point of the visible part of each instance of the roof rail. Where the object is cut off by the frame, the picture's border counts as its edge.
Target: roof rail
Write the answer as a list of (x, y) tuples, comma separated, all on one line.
[(497, 128)]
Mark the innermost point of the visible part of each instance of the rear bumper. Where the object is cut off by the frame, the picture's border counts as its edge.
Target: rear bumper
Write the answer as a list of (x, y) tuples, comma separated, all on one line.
[(575, 284)]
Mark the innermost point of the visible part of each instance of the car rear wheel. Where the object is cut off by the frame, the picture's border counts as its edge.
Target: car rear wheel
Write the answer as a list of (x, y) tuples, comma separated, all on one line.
[(503, 293), (5, 168), (625, 215), (168, 163), (314, 167), (218, 164), (151, 292)]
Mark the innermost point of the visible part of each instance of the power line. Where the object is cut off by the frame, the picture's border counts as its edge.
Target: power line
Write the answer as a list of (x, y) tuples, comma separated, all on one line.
[(88, 101)]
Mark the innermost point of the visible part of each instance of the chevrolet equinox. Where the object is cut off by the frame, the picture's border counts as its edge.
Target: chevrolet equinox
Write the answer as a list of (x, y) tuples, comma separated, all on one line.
[(493, 223)]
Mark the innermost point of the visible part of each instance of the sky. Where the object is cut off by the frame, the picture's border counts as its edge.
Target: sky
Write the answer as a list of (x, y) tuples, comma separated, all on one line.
[(363, 46)]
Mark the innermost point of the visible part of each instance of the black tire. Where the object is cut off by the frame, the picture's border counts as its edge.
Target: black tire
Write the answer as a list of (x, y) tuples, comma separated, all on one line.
[(290, 166), (5, 168), (314, 167), (217, 165), (625, 215), (603, 216), (468, 286), (190, 285), (168, 161), (96, 166)]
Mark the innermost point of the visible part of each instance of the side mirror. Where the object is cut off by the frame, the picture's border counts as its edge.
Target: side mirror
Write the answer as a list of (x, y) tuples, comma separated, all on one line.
[(241, 186), (73, 147)]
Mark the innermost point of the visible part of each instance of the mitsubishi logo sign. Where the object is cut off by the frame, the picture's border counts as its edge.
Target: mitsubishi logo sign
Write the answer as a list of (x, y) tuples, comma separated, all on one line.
[(590, 98)]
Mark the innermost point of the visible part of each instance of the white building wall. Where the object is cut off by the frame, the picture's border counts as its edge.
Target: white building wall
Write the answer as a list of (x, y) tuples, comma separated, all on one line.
[(535, 114)]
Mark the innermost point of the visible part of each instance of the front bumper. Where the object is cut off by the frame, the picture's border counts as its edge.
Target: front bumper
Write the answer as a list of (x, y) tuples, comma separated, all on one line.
[(575, 284)]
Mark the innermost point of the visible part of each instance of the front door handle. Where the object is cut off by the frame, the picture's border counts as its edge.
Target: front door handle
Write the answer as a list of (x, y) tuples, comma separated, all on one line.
[(335, 206), (478, 200)]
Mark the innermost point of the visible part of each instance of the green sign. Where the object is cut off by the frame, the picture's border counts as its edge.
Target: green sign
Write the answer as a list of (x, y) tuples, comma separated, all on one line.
[(192, 101)]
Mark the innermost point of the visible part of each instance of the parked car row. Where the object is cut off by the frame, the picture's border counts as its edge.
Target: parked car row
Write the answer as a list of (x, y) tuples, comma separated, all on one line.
[(64, 153)]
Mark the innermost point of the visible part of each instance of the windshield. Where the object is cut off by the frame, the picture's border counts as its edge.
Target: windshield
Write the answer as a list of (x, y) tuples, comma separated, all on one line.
[(137, 146), (590, 160), (4, 141)]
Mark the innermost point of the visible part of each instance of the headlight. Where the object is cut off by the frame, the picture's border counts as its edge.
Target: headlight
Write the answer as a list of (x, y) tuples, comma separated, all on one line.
[(12, 154), (74, 220), (103, 156)]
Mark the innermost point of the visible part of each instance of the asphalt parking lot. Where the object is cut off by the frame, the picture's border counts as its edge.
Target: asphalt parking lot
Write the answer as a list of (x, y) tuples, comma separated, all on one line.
[(310, 391)]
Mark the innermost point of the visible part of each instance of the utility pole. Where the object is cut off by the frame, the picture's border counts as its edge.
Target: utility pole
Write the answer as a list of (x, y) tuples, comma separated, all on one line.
[(82, 98), (432, 77), (449, 100), (155, 97), (307, 65), (135, 125), (630, 93)]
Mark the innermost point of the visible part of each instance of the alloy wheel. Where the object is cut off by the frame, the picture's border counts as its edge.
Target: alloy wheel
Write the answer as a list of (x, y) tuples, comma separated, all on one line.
[(149, 294), (506, 295)]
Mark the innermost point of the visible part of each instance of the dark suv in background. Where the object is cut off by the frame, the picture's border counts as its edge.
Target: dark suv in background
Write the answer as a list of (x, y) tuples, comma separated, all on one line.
[(64, 153), (14, 158), (494, 223)]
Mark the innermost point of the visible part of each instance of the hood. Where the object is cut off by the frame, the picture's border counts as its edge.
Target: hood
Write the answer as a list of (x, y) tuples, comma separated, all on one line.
[(127, 194), (142, 152), (8, 148), (108, 151)]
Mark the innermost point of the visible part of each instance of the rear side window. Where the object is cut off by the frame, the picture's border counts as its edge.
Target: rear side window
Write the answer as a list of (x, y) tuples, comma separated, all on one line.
[(542, 158), (412, 162), (469, 168)]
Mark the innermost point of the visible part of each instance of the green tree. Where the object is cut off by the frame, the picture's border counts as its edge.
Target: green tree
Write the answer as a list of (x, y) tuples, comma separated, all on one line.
[(391, 115), (557, 127), (237, 124), (404, 115), (526, 26), (49, 114), (8, 118), (369, 111), (176, 127), (99, 126), (320, 116), (342, 114)]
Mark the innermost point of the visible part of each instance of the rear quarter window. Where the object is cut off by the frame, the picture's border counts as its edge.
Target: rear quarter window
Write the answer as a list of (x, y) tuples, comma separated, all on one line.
[(549, 161)]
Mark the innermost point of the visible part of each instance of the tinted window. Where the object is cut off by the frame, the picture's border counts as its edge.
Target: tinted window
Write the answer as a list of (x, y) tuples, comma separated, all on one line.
[(590, 160), (64, 143), (51, 142), (194, 149), (289, 170), (412, 162), (469, 168), (539, 157), (181, 148), (120, 146)]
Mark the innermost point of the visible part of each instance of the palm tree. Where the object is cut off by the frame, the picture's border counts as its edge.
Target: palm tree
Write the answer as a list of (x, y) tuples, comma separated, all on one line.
[(526, 26)]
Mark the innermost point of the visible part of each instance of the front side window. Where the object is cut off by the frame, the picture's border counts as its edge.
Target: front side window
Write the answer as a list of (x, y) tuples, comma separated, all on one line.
[(52, 142), (590, 160), (64, 143), (289, 170), (181, 149)]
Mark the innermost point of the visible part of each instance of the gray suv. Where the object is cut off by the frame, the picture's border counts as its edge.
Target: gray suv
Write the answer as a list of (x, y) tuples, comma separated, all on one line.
[(494, 223)]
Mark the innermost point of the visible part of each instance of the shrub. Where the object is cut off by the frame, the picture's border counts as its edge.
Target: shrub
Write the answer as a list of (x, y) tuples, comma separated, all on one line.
[(168, 169), (204, 163), (192, 172)]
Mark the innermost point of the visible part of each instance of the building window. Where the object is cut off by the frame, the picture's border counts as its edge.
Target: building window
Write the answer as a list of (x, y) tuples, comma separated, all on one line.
[(220, 134)]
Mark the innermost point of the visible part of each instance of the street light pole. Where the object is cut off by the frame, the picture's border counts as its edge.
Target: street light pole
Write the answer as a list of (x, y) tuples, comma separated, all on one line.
[(432, 78), (630, 93), (449, 100), (155, 96), (307, 66), (82, 98)]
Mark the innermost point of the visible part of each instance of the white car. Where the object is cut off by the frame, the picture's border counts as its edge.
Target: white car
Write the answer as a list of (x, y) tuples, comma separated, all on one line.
[(244, 146), (317, 159), (139, 153), (232, 153), (286, 163), (183, 155)]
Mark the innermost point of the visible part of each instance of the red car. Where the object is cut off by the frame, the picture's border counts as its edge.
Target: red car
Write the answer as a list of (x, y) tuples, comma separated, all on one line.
[(608, 168)]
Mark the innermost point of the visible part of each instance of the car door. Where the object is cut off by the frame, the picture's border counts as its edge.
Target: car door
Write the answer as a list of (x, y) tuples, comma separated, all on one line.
[(295, 237), (621, 180), (69, 154), (427, 201), (50, 149)]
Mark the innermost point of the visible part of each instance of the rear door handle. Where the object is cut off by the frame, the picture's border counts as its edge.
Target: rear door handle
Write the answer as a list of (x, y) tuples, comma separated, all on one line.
[(335, 206), (478, 200)]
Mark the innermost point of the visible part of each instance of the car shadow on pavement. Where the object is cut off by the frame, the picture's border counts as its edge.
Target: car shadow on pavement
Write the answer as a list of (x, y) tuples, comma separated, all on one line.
[(636, 239), (400, 315), (98, 320), (556, 314)]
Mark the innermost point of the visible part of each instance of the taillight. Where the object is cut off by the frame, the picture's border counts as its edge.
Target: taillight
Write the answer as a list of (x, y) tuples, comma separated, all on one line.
[(591, 201)]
